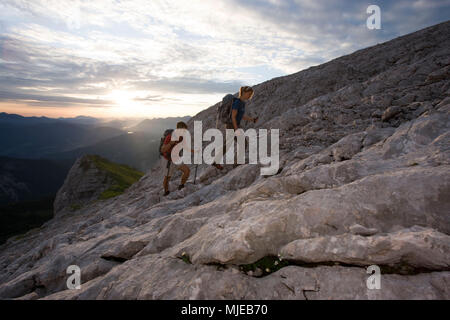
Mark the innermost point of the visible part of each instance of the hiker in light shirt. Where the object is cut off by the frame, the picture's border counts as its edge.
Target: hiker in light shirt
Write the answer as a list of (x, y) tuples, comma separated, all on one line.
[(237, 115)]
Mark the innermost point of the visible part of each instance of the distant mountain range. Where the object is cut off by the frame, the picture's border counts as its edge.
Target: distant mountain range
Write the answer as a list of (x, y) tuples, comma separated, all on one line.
[(38, 137), (138, 150), (36, 153), (82, 120), (10, 118), (30, 179), (35, 140), (158, 125)]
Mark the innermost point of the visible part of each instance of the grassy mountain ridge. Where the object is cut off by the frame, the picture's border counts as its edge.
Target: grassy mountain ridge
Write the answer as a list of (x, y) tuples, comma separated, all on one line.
[(123, 175)]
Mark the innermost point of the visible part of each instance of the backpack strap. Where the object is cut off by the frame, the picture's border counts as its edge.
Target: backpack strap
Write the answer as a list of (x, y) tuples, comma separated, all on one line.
[(167, 140)]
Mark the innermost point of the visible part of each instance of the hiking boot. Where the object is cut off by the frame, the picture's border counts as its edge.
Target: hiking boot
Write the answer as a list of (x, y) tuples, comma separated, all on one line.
[(218, 166), (166, 193), (181, 186)]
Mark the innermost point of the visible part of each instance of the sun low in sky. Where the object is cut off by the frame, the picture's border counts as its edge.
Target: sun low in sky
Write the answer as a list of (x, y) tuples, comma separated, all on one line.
[(107, 58)]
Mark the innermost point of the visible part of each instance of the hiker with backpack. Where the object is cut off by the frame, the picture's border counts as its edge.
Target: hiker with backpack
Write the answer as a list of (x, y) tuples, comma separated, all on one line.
[(229, 115), (166, 147)]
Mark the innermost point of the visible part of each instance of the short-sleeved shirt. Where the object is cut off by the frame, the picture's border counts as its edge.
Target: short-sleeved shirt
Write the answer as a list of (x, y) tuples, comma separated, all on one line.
[(238, 105)]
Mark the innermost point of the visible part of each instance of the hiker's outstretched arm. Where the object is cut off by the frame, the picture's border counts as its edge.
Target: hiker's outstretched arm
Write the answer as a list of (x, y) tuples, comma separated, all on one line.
[(233, 118)]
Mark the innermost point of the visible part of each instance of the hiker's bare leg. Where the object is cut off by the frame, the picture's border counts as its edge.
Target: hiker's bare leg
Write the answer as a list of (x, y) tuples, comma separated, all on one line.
[(170, 168), (226, 146), (185, 169), (166, 183)]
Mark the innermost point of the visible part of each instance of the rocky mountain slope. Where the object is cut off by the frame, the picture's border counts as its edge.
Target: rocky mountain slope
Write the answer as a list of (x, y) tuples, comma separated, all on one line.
[(365, 150)]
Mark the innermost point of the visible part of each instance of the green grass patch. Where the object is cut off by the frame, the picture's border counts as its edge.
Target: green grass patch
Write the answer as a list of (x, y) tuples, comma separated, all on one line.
[(267, 265), (185, 257), (123, 175), (75, 206), (25, 234)]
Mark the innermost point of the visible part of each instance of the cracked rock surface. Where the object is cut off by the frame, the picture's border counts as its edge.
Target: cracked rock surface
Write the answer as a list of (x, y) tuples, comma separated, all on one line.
[(365, 179)]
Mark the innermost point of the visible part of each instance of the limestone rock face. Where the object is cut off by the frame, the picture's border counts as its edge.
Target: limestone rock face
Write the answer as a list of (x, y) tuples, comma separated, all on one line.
[(84, 183), (360, 185), (414, 247)]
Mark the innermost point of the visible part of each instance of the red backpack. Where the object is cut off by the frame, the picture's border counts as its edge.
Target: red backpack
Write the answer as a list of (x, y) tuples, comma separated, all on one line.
[(164, 149)]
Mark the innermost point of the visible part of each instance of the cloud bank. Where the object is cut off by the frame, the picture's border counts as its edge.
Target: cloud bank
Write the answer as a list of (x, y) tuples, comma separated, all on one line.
[(163, 58)]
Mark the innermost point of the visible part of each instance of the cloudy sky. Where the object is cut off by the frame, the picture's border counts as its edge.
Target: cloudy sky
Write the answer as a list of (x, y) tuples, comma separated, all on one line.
[(154, 58)]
